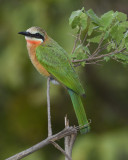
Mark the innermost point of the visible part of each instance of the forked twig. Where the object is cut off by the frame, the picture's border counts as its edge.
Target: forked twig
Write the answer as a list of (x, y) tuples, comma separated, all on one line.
[(61, 134), (99, 45), (64, 133)]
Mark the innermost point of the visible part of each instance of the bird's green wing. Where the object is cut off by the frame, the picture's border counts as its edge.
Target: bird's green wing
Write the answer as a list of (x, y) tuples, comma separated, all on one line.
[(55, 60)]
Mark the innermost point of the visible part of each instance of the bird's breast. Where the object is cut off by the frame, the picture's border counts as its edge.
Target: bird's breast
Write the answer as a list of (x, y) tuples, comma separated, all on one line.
[(32, 54)]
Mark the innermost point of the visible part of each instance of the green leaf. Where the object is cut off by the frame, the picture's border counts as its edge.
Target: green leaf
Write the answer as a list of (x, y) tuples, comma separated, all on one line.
[(75, 17), (95, 39), (106, 58), (114, 31), (123, 26), (122, 44), (93, 16), (117, 31), (81, 55), (111, 45), (72, 56), (91, 28), (126, 34), (126, 41), (80, 52), (119, 28), (106, 19), (122, 16), (78, 19), (83, 21), (106, 35), (86, 49), (83, 64), (122, 57), (78, 47)]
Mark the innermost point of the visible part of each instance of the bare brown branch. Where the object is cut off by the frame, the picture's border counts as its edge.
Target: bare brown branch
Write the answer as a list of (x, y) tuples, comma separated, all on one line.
[(61, 134), (98, 57), (69, 140), (48, 108)]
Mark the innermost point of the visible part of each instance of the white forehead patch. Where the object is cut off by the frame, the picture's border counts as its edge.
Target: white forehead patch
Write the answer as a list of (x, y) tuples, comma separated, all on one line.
[(32, 30)]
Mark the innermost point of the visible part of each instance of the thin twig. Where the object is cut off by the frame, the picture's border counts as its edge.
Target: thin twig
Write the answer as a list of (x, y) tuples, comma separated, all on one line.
[(88, 44), (60, 149), (98, 57), (93, 62), (117, 60), (49, 122), (67, 138), (84, 38), (76, 40), (48, 108), (99, 45), (101, 49), (72, 141), (75, 43), (96, 62), (80, 35)]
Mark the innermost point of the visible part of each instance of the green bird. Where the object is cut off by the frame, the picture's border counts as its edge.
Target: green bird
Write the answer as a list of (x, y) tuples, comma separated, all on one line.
[(51, 60)]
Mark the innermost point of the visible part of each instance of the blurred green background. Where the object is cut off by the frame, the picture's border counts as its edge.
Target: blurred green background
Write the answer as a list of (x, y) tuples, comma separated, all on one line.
[(23, 107)]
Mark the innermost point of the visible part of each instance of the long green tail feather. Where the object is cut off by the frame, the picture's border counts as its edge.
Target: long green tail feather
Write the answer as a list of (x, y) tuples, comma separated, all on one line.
[(79, 110)]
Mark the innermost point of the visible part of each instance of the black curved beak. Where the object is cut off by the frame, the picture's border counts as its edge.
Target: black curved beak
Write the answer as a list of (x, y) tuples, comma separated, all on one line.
[(24, 33)]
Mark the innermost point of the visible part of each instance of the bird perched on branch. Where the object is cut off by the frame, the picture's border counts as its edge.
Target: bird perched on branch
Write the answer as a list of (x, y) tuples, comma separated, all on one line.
[(51, 60)]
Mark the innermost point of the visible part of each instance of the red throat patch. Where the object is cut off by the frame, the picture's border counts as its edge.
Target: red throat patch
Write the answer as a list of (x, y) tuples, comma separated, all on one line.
[(33, 42)]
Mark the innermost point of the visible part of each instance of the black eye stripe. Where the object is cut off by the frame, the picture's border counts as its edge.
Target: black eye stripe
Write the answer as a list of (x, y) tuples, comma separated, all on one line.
[(35, 35)]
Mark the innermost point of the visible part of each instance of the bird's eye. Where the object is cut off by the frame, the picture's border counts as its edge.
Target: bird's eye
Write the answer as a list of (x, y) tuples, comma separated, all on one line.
[(38, 35)]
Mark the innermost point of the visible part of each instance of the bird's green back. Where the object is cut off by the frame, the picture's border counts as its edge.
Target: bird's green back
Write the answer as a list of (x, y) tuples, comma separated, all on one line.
[(55, 60)]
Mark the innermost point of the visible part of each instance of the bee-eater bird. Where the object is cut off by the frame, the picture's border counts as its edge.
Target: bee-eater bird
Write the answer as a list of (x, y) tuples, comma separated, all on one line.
[(51, 60)]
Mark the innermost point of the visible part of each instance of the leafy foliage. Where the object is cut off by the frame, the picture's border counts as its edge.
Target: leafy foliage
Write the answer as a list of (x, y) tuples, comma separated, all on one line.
[(78, 19), (108, 33)]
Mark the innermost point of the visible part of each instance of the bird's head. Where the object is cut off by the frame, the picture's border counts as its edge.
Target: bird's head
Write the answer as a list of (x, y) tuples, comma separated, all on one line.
[(34, 35)]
